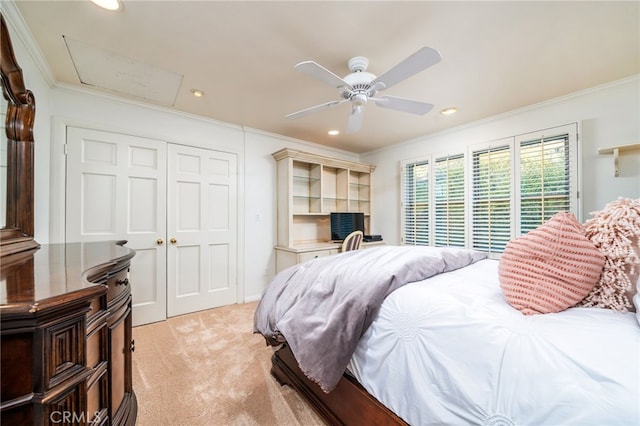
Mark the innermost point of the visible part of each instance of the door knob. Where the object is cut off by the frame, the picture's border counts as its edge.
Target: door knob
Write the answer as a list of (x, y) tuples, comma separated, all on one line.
[(159, 241), (173, 241)]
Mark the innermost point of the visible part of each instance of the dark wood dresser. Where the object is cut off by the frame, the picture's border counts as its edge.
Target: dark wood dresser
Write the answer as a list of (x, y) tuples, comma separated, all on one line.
[(65, 319)]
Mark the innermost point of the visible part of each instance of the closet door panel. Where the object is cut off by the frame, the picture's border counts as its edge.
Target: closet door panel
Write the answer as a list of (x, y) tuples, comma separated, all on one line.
[(116, 190), (98, 213), (202, 229), (176, 205)]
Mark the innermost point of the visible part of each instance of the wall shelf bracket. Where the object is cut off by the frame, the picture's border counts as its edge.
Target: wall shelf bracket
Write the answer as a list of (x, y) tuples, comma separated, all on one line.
[(615, 150)]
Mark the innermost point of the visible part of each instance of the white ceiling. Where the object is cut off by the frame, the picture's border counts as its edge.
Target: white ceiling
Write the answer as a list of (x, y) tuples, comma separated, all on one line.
[(496, 56)]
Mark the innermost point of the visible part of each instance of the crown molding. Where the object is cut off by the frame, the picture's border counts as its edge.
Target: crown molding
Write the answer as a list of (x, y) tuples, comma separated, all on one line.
[(20, 31)]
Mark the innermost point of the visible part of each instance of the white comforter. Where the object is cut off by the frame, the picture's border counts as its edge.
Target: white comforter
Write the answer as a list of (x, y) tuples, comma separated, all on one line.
[(322, 307), (449, 350)]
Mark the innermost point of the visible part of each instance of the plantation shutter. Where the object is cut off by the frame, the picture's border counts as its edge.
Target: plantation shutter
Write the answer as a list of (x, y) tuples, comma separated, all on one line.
[(416, 203), (509, 186), (449, 201), (491, 198), (545, 179)]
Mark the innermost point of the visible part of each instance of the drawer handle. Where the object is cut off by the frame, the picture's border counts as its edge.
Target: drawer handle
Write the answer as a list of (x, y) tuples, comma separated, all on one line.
[(123, 282), (132, 346)]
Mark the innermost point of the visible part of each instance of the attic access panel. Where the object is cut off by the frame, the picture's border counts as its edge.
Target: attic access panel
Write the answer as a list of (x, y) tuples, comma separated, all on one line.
[(107, 70)]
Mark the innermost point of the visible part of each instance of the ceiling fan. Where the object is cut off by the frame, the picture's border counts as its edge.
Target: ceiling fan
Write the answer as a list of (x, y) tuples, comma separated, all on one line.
[(361, 86)]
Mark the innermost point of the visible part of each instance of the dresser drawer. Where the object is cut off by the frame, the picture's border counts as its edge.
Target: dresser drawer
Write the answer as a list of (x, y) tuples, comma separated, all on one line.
[(96, 346), (64, 351), (117, 285)]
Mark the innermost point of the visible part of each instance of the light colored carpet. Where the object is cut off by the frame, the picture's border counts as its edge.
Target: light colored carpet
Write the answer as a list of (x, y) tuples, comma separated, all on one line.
[(208, 368)]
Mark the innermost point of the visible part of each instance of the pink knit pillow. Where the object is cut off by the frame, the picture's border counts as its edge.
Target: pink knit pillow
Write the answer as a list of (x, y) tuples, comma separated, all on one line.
[(615, 231), (550, 268)]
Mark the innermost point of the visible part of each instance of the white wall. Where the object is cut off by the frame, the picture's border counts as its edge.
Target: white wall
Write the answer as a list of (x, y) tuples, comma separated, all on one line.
[(609, 116)]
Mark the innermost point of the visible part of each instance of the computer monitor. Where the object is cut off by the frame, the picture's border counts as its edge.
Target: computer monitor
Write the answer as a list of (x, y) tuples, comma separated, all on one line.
[(344, 223)]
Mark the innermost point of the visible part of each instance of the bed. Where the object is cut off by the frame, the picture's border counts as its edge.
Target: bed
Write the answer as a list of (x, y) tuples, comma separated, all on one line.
[(444, 344)]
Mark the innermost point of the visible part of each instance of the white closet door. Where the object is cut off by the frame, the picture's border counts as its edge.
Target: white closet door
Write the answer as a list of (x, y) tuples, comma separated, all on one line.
[(116, 190), (202, 229)]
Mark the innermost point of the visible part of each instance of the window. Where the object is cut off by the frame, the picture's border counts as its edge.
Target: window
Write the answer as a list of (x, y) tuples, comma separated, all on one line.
[(544, 179), (513, 185), (491, 198), (449, 201), (416, 202)]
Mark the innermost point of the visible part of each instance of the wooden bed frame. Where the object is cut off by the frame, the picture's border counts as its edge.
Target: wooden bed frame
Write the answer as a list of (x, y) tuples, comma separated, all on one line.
[(348, 404)]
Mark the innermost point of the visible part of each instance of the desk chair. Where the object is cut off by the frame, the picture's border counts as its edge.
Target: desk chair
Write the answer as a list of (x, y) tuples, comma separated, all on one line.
[(353, 241)]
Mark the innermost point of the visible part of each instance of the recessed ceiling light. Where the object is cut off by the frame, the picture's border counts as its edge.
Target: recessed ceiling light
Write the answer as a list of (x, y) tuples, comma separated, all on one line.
[(107, 4), (197, 93), (448, 111), (334, 132)]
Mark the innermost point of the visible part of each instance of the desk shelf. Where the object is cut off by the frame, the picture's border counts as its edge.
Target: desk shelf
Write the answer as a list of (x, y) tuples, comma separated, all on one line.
[(310, 187)]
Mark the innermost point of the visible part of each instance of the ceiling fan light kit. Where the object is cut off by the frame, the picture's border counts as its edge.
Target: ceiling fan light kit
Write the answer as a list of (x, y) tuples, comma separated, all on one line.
[(360, 86)]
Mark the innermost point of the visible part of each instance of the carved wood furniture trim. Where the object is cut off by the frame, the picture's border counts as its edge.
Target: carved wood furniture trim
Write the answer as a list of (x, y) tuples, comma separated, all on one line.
[(66, 339), (17, 235), (348, 404)]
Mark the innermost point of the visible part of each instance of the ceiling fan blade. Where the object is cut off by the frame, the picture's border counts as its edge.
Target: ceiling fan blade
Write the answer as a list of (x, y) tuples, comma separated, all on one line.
[(419, 61), (401, 104), (355, 119), (316, 70), (313, 109)]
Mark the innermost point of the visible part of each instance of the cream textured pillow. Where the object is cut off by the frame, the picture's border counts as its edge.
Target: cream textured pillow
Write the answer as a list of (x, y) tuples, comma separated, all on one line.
[(550, 268), (615, 231)]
